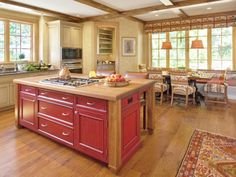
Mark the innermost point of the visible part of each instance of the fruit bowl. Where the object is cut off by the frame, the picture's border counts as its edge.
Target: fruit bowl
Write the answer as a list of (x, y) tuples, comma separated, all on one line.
[(116, 80)]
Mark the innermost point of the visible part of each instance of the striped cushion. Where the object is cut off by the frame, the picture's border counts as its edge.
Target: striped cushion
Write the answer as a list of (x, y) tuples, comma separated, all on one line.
[(158, 77), (183, 89), (159, 86), (216, 88)]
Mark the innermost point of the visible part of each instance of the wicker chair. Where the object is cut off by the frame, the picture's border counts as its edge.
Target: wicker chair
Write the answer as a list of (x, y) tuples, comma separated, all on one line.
[(215, 90), (160, 86), (180, 86)]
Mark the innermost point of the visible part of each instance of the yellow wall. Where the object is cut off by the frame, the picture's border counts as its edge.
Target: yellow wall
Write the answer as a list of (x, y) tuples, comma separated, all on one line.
[(130, 28)]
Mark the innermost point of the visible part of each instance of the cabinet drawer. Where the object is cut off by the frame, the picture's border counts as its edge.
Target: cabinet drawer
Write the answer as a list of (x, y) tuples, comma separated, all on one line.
[(57, 131), (130, 100), (94, 103), (54, 111), (28, 89), (56, 96)]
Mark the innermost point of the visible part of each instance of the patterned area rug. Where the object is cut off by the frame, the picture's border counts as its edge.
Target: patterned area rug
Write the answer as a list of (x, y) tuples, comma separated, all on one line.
[(209, 155)]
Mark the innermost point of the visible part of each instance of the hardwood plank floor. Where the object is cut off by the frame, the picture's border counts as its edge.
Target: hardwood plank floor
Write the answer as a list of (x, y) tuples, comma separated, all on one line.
[(26, 154)]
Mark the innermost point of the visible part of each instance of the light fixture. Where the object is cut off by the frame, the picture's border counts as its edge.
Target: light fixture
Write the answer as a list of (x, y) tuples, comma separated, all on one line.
[(209, 8), (156, 15), (197, 44), (166, 45)]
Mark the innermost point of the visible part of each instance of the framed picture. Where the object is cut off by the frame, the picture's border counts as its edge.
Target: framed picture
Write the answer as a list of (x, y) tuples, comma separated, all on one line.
[(128, 46)]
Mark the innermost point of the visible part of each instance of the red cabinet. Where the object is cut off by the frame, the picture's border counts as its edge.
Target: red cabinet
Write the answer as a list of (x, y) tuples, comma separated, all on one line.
[(56, 131), (91, 128), (28, 110), (130, 126)]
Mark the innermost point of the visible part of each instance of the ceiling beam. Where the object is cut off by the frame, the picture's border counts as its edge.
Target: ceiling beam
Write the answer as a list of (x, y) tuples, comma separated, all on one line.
[(113, 13), (179, 4), (97, 5), (195, 16), (43, 11)]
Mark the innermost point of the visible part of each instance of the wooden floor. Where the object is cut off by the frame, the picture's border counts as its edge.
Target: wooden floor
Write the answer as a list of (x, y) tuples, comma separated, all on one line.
[(24, 153)]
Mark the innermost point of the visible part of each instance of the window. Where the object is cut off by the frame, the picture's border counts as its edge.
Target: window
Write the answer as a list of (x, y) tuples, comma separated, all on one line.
[(2, 44), (198, 57), (158, 54), (222, 48), (20, 40), (177, 53)]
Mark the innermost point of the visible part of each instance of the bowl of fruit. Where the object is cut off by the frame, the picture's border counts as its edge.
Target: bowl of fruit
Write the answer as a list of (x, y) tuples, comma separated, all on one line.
[(116, 80)]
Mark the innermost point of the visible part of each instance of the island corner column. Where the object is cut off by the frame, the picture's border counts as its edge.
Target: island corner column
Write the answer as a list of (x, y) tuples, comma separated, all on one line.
[(114, 148), (151, 112)]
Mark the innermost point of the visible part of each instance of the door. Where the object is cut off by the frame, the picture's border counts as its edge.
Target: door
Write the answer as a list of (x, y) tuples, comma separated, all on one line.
[(76, 39), (91, 133), (28, 110), (4, 95), (130, 126), (66, 36)]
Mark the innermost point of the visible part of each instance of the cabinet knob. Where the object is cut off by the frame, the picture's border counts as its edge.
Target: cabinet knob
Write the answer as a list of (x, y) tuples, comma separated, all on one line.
[(76, 112), (44, 93), (27, 90), (65, 134), (44, 125)]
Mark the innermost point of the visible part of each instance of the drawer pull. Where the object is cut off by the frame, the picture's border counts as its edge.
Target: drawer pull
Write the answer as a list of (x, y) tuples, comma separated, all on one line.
[(43, 108), (44, 93), (65, 114), (130, 100), (90, 104), (44, 125), (65, 98), (65, 134), (27, 90)]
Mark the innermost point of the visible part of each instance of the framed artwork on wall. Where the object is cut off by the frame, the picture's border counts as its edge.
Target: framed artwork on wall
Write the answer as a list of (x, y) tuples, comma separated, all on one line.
[(128, 46)]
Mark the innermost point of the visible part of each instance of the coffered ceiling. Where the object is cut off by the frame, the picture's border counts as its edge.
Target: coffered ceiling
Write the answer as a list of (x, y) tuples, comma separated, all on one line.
[(138, 10)]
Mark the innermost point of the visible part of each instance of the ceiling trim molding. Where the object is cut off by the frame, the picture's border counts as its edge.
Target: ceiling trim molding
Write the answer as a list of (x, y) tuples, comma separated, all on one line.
[(180, 4), (44, 11), (193, 17)]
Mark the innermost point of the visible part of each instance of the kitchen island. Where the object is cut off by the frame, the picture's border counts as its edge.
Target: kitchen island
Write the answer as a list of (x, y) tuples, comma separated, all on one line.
[(100, 121)]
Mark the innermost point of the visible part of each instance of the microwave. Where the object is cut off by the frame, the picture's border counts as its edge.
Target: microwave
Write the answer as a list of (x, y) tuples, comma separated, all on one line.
[(71, 53)]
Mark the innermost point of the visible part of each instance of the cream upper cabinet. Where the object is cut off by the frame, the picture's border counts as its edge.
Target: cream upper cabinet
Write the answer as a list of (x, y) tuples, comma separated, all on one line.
[(4, 95), (76, 37), (71, 37), (66, 36)]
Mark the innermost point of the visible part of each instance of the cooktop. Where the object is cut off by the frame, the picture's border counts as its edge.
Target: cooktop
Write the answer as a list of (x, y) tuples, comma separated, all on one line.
[(72, 82)]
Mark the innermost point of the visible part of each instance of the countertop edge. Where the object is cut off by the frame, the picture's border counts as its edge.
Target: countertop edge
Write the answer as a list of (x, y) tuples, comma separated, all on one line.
[(81, 92)]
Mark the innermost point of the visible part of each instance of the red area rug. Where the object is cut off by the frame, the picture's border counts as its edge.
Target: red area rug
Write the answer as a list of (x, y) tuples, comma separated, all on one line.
[(209, 155)]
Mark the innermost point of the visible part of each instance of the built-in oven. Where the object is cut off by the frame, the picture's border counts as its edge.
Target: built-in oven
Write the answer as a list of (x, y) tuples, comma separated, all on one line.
[(71, 53), (72, 58)]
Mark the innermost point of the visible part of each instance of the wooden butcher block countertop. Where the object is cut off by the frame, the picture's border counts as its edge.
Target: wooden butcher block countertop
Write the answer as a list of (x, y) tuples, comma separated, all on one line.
[(98, 90)]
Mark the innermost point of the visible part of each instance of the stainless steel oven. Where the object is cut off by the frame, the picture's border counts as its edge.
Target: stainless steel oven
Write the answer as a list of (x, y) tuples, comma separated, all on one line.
[(71, 54), (72, 58)]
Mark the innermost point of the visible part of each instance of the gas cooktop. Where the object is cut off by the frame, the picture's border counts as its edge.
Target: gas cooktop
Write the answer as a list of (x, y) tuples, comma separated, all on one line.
[(72, 82)]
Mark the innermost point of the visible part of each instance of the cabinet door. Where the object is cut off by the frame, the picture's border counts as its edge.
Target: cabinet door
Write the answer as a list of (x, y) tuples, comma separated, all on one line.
[(130, 130), (91, 133), (28, 110), (66, 36), (4, 95), (12, 94), (76, 38)]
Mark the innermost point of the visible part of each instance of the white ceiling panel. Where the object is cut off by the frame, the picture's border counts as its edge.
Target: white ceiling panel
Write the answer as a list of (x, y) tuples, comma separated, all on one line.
[(157, 16), (123, 5), (224, 6), (69, 7)]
